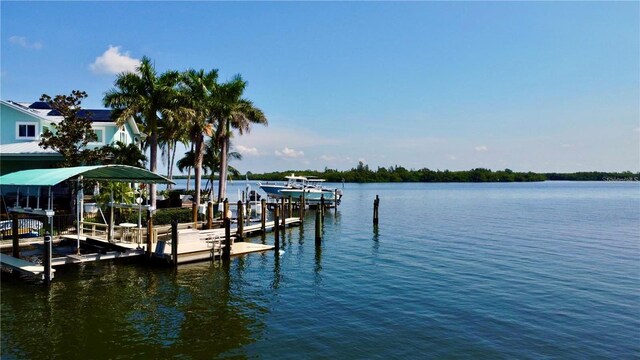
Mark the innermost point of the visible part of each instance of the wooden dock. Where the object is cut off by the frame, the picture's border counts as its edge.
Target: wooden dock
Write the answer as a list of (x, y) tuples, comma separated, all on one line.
[(23, 266)]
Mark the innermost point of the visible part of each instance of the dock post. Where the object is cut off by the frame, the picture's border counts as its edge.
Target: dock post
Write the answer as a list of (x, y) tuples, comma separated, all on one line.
[(240, 220), (376, 204), (210, 215), (301, 210), (322, 205), (46, 262), (276, 229), (318, 230), (290, 213), (149, 232), (335, 200), (15, 236), (226, 253), (263, 215), (284, 215), (174, 242), (225, 208)]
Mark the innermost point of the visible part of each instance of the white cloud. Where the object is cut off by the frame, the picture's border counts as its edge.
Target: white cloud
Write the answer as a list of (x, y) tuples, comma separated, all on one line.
[(481, 148), (453, 157), (24, 42), (566, 145), (327, 158), (289, 153), (637, 129), (244, 150), (113, 61)]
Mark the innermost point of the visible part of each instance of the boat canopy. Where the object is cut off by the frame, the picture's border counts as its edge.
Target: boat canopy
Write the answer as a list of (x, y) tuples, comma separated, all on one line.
[(51, 177)]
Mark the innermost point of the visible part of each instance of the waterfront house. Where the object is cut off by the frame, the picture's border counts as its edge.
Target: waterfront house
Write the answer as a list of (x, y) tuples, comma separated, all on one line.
[(22, 124)]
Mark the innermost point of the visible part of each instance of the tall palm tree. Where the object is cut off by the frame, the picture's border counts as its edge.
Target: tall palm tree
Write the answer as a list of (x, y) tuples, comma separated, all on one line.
[(232, 111), (149, 96), (170, 134), (196, 91)]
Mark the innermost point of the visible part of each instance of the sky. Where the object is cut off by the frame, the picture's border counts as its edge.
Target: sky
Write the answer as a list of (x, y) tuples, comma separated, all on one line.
[(529, 86)]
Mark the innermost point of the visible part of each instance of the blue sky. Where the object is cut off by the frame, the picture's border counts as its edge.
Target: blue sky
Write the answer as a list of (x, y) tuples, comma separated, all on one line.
[(537, 86)]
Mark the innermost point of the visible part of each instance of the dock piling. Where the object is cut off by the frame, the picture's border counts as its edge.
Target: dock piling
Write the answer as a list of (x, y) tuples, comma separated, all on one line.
[(46, 262), (276, 229), (226, 254), (376, 204), (284, 215), (240, 213), (174, 242), (290, 213), (209, 215), (263, 214), (318, 227), (301, 210), (15, 236), (322, 205), (225, 209), (149, 232)]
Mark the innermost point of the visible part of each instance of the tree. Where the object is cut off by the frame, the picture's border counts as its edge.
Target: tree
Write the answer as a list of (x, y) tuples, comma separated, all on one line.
[(74, 133), (146, 96), (231, 111), (124, 154), (196, 94)]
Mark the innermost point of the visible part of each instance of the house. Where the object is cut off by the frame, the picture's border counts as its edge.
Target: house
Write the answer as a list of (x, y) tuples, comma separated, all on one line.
[(22, 124)]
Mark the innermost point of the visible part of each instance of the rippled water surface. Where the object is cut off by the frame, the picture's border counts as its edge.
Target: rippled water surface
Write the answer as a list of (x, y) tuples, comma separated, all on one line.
[(543, 270)]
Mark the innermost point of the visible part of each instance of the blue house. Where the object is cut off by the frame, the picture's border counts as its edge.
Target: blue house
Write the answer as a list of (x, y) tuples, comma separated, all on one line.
[(22, 124)]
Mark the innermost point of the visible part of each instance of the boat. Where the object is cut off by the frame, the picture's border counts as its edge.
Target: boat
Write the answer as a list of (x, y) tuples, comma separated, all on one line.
[(293, 182), (309, 187)]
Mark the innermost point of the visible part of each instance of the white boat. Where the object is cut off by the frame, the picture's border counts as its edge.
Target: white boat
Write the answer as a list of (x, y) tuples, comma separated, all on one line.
[(293, 182), (296, 186)]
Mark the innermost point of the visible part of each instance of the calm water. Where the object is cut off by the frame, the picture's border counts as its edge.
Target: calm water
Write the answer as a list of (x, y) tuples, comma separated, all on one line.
[(545, 270)]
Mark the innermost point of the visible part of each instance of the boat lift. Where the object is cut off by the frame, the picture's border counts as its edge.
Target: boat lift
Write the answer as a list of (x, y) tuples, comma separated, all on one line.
[(39, 178)]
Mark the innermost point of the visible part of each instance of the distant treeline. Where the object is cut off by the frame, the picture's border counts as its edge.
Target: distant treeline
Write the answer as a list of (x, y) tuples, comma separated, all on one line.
[(363, 174)]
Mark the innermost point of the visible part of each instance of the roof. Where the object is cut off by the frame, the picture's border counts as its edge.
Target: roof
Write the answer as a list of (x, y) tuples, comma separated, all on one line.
[(25, 148), (44, 111), (50, 177)]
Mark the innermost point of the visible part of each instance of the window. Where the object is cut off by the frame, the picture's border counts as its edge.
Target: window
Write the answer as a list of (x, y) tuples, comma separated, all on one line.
[(100, 135), (26, 130)]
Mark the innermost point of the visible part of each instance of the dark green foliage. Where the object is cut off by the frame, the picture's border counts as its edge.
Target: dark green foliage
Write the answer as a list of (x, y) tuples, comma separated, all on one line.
[(73, 133), (124, 155), (161, 217), (362, 174)]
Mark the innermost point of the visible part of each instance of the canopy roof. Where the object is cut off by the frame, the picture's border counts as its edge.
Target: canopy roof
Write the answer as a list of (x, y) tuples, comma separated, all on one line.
[(50, 177)]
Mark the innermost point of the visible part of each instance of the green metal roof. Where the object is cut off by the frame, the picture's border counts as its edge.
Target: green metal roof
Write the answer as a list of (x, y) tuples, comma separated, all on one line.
[(50, 177)]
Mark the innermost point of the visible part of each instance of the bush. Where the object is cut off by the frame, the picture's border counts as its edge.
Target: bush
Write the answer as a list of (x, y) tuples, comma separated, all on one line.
[(161, 217)]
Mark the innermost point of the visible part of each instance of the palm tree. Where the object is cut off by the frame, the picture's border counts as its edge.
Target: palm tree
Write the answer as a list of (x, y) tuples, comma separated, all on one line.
[(233, 111), (210, 162), (196, 90), (149, 96), (170, 134), (123, 154)]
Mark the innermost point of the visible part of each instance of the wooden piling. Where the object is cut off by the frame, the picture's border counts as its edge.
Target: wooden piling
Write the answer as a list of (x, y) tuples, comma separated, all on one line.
[(226, 253), (174, 242), (210, 215), (318, 227), (225, 209), (276, 229), (322, 206), (301, 210), (263, 215), (240, 213), (284, 216), (194, 214), (335, 199), (15, 228), (290, 213), (46, 262), (149, 232), (376, 204)]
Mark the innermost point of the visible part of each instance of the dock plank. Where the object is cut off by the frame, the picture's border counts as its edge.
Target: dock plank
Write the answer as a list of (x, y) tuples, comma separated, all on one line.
[(22, 265)]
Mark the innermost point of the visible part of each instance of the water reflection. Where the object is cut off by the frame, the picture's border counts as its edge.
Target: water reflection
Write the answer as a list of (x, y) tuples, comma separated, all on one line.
[(376, 241), (317, 269), (129, 310)]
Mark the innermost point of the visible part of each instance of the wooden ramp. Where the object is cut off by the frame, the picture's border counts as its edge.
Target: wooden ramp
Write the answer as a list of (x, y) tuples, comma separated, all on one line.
[(23, 266)]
